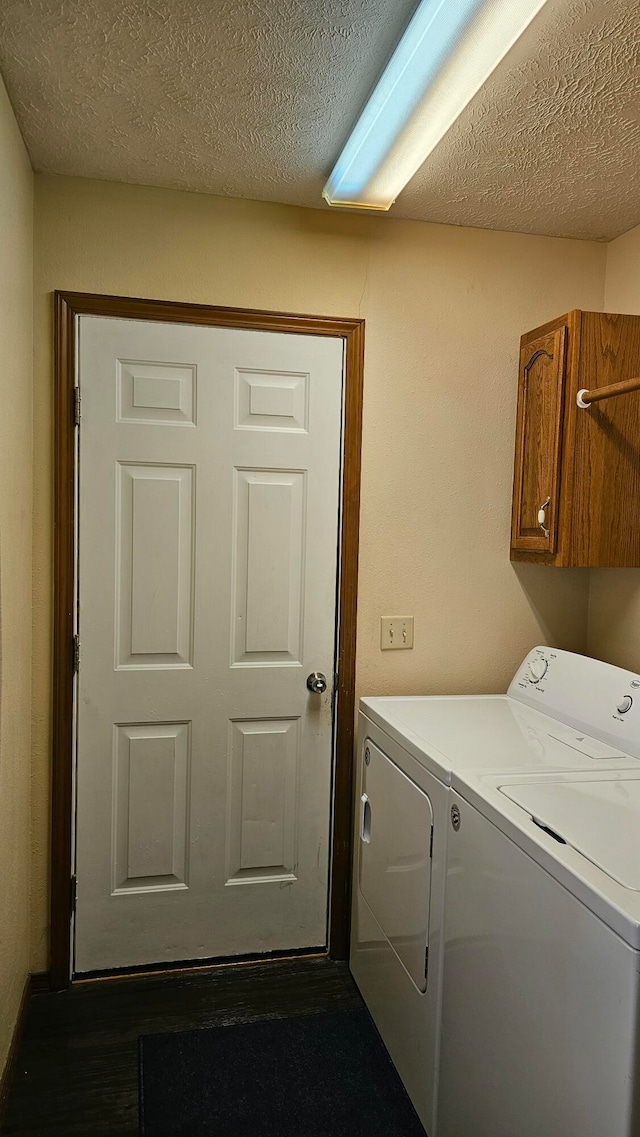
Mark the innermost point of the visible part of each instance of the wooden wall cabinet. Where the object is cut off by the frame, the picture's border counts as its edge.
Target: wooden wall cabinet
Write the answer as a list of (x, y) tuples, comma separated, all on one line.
[(576, 489)]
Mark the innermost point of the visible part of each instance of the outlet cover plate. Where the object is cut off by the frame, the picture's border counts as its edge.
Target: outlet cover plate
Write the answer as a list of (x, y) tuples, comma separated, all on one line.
[(396, 633)]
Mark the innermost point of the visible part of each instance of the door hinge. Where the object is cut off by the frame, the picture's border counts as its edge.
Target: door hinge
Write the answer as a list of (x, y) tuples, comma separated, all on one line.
[(76, 405), (76, 654), (74, 894)]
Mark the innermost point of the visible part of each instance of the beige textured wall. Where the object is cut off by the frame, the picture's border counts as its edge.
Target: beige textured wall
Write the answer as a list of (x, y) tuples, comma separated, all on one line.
[(614, 599), (16, 308), (444, 308)]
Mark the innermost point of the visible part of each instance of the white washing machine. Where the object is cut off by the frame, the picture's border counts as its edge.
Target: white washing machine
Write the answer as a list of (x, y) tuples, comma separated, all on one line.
[(541, 977), (409, 751)]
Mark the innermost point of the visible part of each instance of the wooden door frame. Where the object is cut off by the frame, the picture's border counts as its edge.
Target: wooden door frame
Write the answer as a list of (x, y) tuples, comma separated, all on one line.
[(68, 306)]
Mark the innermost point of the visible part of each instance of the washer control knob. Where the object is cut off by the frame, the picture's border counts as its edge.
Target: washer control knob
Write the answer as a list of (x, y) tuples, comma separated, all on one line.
[(538, 669), (625, 704)]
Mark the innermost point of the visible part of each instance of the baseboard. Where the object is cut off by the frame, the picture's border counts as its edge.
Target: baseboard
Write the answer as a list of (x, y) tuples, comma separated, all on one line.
[(12, 1057), (40, 981)]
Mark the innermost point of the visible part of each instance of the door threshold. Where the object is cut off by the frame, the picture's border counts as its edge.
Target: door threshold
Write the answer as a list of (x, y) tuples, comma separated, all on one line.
[(186, 966)]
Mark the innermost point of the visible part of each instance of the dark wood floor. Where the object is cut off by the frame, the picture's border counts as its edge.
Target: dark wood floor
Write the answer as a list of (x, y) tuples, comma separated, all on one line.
[(77, 1071)]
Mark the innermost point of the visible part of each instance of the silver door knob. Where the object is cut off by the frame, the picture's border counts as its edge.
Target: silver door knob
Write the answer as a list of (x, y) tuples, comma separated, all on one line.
[(317, 683)]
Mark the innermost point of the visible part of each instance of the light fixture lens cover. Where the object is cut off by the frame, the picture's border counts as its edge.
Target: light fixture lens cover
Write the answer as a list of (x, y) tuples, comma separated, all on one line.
[(449, 49)]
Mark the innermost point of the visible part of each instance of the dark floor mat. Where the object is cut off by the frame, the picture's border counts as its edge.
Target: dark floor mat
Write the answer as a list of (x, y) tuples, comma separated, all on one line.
[(322, 1075)]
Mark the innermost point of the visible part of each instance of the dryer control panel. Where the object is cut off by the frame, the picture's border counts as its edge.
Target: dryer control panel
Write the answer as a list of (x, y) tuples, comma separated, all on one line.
[(592, 696)]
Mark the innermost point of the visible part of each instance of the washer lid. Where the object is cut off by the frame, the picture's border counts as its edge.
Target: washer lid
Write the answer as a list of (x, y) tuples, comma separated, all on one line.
[(599, 819)]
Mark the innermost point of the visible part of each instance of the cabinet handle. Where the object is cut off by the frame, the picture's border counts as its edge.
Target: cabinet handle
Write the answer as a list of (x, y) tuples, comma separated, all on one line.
[(542, 516)]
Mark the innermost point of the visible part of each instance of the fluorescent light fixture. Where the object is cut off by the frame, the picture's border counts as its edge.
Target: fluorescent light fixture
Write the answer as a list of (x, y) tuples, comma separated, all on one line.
[(449, 49)]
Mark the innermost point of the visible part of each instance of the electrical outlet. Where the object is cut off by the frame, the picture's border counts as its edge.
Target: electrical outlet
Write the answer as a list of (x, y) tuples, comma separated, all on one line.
[(396, 632)]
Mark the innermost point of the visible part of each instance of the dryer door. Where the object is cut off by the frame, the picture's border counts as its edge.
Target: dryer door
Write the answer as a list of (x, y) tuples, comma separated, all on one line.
[(396, 822)]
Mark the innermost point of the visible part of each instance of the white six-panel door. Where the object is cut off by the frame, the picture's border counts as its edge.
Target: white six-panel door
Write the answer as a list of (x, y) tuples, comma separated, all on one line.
[(209, 479)]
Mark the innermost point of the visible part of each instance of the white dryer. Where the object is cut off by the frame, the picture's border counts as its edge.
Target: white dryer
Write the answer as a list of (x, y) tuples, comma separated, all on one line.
[(409, 749)]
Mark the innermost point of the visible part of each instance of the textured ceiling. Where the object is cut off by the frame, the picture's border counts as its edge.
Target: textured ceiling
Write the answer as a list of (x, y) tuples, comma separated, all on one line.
[(552, 143), (254, 98)]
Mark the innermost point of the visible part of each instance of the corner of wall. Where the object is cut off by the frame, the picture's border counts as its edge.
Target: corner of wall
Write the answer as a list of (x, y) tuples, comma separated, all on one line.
[(16, 442), (613, 618)]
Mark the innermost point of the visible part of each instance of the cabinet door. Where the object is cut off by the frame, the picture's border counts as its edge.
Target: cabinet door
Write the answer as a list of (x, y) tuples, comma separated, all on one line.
[(538, 441)]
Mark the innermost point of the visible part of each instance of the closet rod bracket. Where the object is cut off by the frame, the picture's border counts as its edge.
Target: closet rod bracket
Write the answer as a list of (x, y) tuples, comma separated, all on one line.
[(585, 398)]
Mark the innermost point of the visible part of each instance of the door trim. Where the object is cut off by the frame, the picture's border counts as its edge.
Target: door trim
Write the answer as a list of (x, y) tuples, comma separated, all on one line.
[(68, 306)]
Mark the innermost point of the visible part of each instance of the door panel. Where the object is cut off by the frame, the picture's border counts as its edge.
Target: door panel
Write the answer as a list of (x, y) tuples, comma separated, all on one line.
[(263, 808), (208, 530), (154, 543), (155, 393), (270, 556), (538, 434), (395, 858), (272, 400), (150, 806)]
